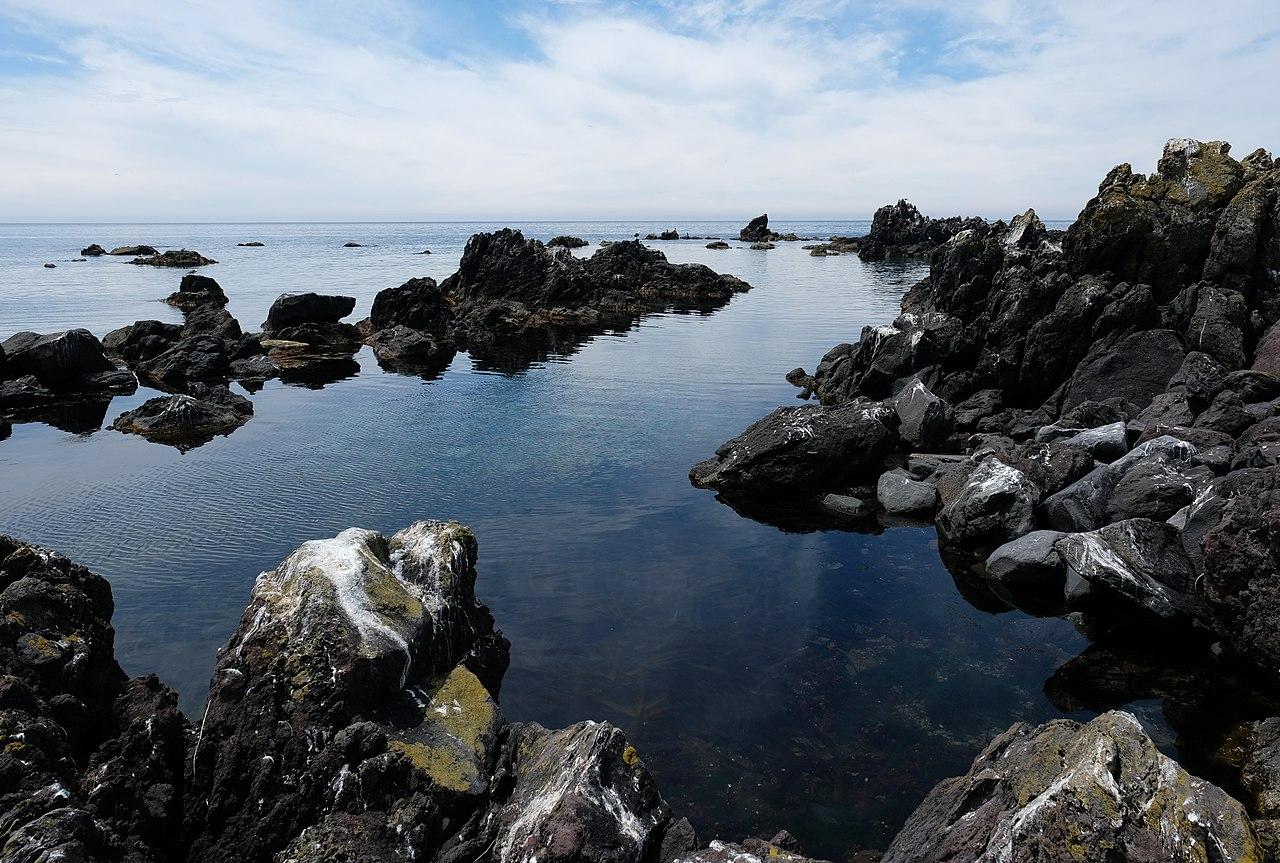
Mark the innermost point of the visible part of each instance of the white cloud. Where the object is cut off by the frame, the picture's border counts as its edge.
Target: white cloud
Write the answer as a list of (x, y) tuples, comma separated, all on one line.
[(274, 110)]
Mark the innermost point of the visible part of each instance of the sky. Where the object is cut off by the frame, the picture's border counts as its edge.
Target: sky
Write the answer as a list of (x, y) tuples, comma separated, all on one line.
[(281, 110)]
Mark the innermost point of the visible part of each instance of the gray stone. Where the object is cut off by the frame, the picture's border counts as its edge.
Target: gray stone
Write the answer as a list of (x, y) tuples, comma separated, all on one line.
[(900, 494)]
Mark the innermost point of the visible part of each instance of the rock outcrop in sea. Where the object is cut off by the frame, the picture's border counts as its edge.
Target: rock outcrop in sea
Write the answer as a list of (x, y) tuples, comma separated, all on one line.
[(1098, 414), (899, 231)]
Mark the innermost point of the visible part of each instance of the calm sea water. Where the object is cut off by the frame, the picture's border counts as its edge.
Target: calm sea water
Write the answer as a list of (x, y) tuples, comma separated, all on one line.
[(822, 682)]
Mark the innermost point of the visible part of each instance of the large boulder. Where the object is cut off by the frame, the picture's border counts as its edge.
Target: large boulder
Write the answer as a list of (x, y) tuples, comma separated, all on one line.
[(757, 231), (197, 290), (418, 304), (72, 361), (1136, 369), (293, 310), (1137, 564), (996, 504), (1082, 505), (801, 449), (187, 420), (1029, 573), (925, 421), (1092, 793), (900, 493), (141, 340)]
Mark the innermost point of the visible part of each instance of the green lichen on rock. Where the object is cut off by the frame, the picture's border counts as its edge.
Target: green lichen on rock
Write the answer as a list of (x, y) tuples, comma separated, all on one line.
[(454, 744)]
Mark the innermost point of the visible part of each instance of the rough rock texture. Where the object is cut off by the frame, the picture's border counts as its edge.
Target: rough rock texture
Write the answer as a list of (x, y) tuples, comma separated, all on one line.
[(196, 290), (801, 449), (354, 712), (90, 762), (40, 373), (187, 420), (184, 258), (568, 242), (1069, 792), (93, 251), (757, 231), (996, 504)]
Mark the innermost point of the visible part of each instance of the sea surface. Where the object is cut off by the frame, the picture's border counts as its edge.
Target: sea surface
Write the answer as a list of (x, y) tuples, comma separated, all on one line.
[(817, 681)]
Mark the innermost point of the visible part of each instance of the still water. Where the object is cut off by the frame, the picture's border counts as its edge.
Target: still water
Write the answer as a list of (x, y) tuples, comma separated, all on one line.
[(822, 682)]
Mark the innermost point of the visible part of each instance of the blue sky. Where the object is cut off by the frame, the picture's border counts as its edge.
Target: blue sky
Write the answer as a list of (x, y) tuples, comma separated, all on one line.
[(408, 109)]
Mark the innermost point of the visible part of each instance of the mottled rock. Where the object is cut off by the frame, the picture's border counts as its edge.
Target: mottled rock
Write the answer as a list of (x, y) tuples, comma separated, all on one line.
[(1137, 563), (1096, 792), (996, 504)]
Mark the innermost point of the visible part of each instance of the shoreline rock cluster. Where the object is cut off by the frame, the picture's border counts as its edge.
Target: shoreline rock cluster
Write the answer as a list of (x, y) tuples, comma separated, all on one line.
[(899, 231), (512, 301), (1092, 421)]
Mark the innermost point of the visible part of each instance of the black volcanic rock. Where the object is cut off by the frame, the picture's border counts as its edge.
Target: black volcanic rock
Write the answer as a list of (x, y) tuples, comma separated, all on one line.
[(567, 242), (196, 290), (757, 231), (132, 251), (184, 258), (42, 371), (187, 420), (92, 762), (418, 304), (93, 251), (292, 310)]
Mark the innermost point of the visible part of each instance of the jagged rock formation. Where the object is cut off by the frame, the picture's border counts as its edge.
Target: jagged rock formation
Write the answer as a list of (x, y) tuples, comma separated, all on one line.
[(1065, 791), (93, 251), (902, 231), (1113, 388), (353, 715), (90, 761)]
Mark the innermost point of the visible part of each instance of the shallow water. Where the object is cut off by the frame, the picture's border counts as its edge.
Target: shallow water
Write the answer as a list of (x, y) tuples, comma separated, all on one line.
[(822, 682)]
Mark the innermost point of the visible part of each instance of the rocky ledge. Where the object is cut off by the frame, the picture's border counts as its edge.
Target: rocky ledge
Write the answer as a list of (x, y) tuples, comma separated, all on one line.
[(353, 715), (1094, 424), (184, 258)]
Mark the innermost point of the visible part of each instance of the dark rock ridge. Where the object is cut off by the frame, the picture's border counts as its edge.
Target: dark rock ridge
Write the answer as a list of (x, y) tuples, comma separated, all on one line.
[(353, 715), (196, 290), (1098, 416), (902, 231), (132, 251), (184, 258), (567, 242)]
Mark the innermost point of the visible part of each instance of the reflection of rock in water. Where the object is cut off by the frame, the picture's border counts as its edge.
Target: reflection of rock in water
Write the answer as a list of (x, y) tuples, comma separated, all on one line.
[(318, 372), (75, 417)]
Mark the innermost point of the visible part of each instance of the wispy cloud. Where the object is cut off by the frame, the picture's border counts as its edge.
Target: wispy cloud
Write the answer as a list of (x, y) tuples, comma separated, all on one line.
[(279, 109)]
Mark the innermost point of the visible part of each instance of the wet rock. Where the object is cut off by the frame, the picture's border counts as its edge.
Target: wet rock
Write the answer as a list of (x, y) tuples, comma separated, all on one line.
[(131, 251), (718, 245), (996, 504), (799, 449), (291, 310), (746, 852), (192, 358), (901, 494), (400, 347), (1064, 791), (844, 506), (567, 242), (1137, 563), (184, 258), (252, 244), (93, 251), (1029, 573), (196, 290), (58, 366), (187, 420)]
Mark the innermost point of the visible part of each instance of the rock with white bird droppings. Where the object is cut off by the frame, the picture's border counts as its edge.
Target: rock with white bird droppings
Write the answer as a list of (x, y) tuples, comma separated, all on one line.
[(996, 504), (1091, 793)]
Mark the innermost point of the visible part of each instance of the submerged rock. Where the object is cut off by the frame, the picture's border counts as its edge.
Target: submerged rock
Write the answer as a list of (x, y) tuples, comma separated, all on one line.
[(1065, 791)]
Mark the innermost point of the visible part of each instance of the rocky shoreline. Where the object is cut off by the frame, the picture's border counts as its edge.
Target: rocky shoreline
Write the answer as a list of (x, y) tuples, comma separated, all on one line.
[(1092, 421)]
